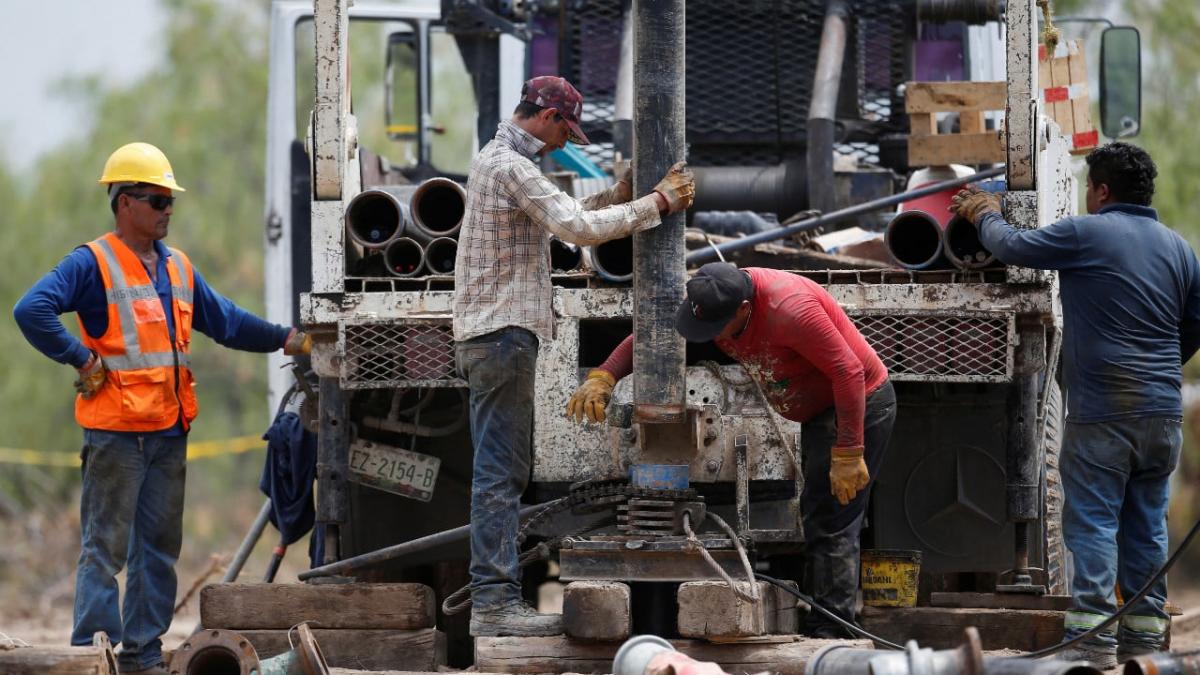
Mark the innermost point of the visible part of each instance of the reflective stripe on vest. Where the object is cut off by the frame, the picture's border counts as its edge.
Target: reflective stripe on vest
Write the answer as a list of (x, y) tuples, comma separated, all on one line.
[(149, 385)]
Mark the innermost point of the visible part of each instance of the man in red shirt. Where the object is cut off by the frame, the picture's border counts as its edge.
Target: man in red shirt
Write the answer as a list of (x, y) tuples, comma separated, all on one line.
[(793, 338)]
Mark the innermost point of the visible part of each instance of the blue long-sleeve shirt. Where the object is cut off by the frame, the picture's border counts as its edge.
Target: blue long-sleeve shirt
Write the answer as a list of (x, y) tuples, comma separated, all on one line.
[(1131, 306), (75, 285)]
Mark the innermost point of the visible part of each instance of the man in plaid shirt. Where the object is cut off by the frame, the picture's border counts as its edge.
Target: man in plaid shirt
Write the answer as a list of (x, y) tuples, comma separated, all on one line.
[(502, 309)]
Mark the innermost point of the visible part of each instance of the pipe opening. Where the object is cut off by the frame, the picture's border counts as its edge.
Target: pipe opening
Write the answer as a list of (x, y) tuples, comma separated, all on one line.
[(404, 258), (564, 256), (963, 246), (613, 260), (440, 255), (374, 218), (438, 206), (914, 239), (214, 660)]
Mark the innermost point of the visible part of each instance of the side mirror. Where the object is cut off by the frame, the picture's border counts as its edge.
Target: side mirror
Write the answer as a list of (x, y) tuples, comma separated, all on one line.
[(401, 101), (1120, 82)]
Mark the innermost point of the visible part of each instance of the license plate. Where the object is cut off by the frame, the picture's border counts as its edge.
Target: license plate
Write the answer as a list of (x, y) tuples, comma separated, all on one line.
[(402, 472)]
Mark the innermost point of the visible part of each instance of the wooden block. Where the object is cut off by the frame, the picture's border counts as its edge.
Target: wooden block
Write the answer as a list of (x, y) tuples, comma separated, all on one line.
[(711, 610), (1082, 114), (367, 649), (926, 97), (999, 600), (971, 122), (1060, 72), (564, 655), (597, 610), (1045, 79), (1063, 113), (922, 124), (1077, 63), (275, 606), (784, 618), (941, 628), (54, 661), (984, 148)]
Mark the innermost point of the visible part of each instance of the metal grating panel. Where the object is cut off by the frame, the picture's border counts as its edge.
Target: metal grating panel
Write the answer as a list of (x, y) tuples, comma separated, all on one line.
[(942, 348), (391, 355)]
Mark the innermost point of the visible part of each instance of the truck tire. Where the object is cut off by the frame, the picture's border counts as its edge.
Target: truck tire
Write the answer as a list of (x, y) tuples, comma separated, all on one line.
[(1058, 561)]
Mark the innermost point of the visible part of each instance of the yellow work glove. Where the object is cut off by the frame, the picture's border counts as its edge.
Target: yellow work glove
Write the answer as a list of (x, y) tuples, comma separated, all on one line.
[(92, 377), (972, 203), (591, 398), (847, 473), (623, 172), (678, 187), (298, 343)]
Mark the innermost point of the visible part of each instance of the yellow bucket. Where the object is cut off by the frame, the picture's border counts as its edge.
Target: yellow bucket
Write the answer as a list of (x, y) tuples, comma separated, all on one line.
[(889, 578)]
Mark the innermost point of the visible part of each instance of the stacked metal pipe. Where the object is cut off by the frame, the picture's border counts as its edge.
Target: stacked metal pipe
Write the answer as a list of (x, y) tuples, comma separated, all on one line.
[(916, 240), (408, 239)]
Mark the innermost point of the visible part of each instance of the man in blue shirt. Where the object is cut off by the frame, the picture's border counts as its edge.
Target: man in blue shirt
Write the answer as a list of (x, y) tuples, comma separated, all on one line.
[(137, 301), (1131, 304)]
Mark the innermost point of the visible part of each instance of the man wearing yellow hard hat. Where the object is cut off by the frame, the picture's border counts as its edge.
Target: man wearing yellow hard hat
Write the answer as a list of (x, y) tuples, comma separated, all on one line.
[(137, 302)]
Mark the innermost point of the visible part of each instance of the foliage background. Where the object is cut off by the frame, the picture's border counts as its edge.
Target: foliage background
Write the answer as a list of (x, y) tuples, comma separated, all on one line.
[(205, 104)]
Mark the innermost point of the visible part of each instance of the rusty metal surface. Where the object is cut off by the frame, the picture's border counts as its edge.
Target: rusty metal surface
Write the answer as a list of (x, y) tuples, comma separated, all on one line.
[(1021, 108)]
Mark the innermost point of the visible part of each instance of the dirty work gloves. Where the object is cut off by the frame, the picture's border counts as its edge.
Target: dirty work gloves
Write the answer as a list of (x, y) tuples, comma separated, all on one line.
[(678, 187), (92, 376), (591, 398), (298, 343), (972, 203), (847, 473)]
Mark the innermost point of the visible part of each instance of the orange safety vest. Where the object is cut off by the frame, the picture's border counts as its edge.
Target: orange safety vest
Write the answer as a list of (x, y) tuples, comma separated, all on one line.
[(149, 385)]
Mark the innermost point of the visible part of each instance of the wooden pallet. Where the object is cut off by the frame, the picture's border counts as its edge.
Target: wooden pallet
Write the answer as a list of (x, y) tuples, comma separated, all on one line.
[(974, 144), (1063, 79)]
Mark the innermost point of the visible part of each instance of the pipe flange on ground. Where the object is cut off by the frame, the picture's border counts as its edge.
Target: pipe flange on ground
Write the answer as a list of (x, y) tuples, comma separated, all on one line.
[(222, 651)]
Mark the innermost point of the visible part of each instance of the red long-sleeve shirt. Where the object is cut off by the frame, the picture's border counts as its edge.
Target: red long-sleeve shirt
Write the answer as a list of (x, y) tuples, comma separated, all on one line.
[(802, 348)]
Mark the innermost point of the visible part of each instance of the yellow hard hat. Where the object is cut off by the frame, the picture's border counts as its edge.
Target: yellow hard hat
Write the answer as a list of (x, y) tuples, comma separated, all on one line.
[(139, 163)]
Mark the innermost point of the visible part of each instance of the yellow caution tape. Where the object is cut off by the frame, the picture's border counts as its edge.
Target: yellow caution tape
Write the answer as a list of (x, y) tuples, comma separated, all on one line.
[(196, 450)]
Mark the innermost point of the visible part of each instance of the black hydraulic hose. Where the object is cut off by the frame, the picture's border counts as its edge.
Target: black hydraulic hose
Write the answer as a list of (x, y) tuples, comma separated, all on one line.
[(1145, 590), (704, 255), (1162, 572)]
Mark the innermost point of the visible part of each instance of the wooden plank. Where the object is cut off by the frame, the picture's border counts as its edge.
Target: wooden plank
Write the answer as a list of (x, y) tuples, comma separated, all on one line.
[(563, 655), (53, 661), (922, 124), (941, 628), (930, 97), (971, 122), (984, 148), (1000, 600), (367, 649), (281, 606), (1081, 114), (711, 610), (1077, 68), (597, 610)]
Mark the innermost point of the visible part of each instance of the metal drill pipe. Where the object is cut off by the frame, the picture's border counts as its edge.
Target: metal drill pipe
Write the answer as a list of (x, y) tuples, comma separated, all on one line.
[(400, 550), (914, 239), (707, 254), (822, 112), (659, 273)]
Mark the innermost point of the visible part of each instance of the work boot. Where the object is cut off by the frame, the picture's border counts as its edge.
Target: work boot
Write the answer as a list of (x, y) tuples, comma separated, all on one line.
[(517, 619), (1104, 658), (1125, 652), (159, 669)]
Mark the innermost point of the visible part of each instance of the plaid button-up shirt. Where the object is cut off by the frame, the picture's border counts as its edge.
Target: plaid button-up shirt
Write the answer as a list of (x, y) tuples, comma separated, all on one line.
[(502, 273)]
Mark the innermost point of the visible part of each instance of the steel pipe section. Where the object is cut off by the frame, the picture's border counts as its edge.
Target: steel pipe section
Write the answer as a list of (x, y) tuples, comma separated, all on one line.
[(612, 260), (404, 257), (1164, 663), (822, 112), (731, 223), (840, 659), (440, 255), (781, 189), (998, 665), (914, 240), (564, 256), (437, 207), (659, 272), (375, 218), (962, 246)]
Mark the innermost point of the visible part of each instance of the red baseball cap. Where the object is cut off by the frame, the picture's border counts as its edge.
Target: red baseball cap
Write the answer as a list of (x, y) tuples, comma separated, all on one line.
[(549, 91)]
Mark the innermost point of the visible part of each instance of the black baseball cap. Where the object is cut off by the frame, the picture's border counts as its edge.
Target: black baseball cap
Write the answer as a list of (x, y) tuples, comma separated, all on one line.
[(713, 298)]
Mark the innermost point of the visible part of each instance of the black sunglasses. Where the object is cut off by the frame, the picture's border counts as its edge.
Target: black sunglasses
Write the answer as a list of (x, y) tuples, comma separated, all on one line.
[(156, 201)]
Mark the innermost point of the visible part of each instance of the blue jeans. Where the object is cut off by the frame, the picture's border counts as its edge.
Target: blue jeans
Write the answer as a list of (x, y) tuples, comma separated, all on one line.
[(1115, 479), (131, 511), (499, 368)]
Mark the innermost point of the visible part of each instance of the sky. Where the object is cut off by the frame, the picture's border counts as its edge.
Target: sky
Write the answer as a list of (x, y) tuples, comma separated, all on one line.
[(42, 42)]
